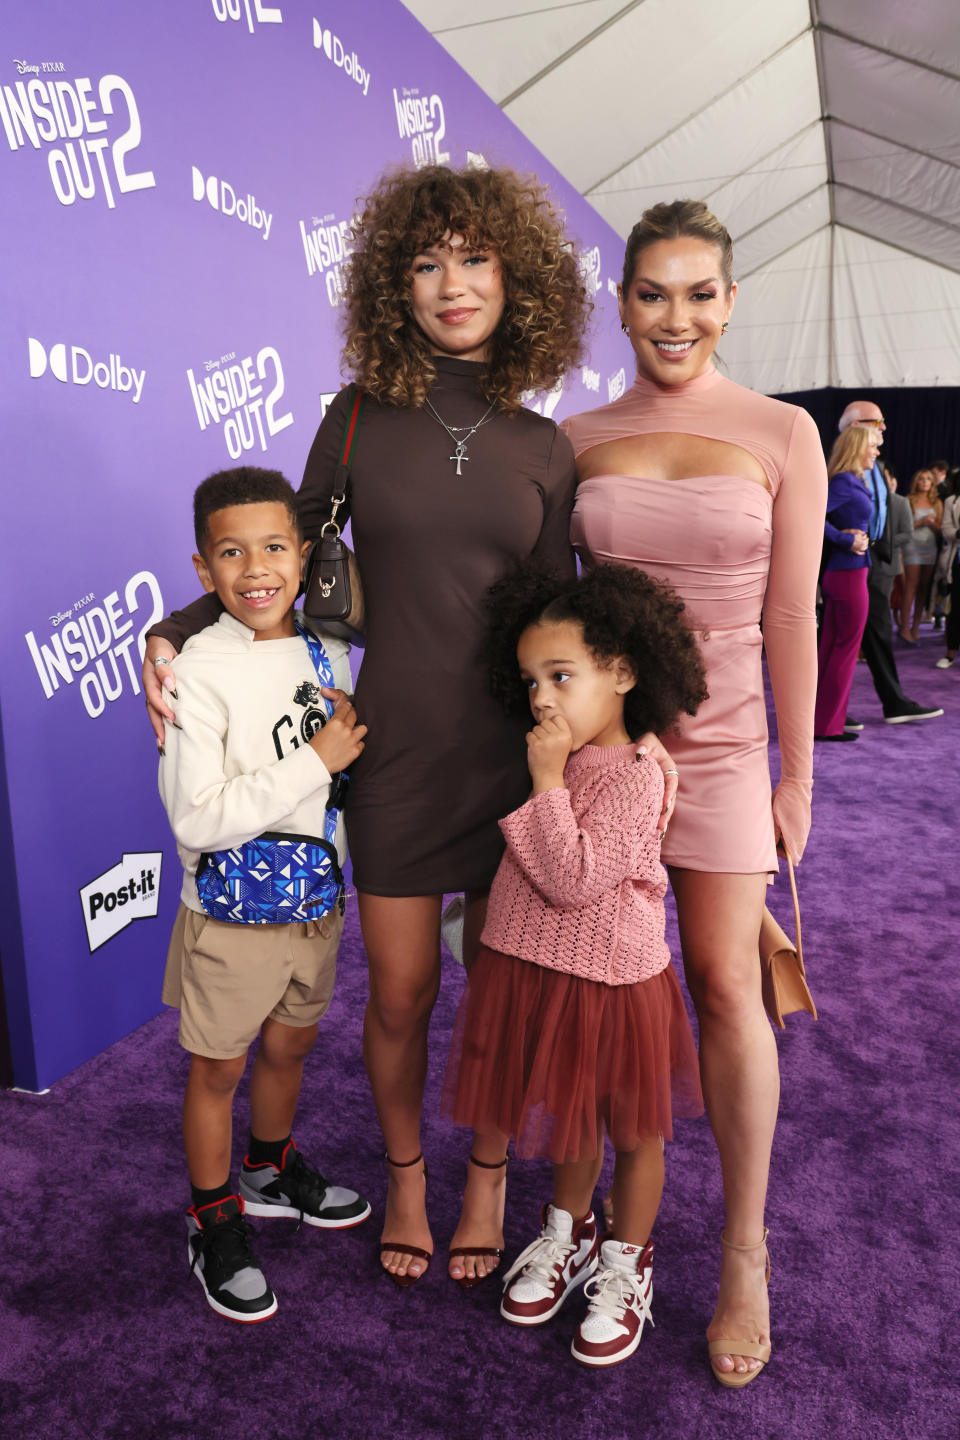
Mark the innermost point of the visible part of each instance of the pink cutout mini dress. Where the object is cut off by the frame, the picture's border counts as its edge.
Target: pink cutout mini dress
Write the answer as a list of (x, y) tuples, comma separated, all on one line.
[(734, 551)]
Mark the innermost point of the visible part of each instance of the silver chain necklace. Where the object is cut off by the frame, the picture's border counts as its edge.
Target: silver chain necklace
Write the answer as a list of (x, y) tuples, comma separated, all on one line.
[(460, 446)]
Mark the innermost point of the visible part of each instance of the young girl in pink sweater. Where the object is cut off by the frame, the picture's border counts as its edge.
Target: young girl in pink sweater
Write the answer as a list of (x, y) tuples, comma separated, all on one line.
[(573, 1019)]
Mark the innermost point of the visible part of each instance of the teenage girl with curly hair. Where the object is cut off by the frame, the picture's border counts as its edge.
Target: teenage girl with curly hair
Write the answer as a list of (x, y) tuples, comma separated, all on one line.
[(573, 1021), (462, 293), (508, 234)]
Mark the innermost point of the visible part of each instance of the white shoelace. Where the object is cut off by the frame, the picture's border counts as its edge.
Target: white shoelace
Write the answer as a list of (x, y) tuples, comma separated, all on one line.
[(613, 1291), (543, 1259)]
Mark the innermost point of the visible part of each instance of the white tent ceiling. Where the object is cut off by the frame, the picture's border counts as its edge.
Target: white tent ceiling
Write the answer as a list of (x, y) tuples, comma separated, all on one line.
[(824, 133)]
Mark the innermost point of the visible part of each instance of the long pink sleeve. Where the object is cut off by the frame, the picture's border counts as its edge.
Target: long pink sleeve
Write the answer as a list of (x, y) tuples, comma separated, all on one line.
[(580, 887), (574, 862), (738, 553), (790, 626)]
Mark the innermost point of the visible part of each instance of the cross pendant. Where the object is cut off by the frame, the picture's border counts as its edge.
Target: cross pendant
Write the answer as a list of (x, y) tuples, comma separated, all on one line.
[(460, 456)]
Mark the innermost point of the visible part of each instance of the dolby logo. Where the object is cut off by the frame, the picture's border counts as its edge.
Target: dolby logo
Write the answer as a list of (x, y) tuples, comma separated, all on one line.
[(225, 199), (333, 47), (74, 365)]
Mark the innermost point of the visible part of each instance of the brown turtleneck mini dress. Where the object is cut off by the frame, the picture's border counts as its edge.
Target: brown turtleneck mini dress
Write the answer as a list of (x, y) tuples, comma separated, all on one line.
[(442, 763)]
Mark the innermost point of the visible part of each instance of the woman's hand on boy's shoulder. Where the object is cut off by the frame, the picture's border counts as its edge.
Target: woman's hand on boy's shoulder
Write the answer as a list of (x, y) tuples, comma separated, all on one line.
[(651, 745), (158, 676)]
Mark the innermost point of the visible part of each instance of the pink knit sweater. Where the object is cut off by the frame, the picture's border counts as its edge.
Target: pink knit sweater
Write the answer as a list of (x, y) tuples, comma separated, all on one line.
[(580, 887)]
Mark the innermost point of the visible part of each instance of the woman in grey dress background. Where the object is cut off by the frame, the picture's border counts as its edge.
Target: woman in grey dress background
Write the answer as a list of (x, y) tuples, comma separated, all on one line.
[(920, 553)]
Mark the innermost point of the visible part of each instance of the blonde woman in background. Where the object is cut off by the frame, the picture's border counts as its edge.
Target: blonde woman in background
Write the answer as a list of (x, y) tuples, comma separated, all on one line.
[(920, 553), (844, 583)]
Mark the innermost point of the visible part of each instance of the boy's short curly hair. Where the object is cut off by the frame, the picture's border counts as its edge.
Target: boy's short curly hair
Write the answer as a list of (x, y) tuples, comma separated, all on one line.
[(621, 611), (244, 485), (540, 335)]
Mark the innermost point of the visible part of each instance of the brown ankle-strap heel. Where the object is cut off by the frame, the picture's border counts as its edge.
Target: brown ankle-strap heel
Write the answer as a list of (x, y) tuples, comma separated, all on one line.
[(469, 1282), (401, 1247)]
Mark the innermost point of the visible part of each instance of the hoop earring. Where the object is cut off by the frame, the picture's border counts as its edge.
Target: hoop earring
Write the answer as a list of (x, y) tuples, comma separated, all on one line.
[(624, 328)]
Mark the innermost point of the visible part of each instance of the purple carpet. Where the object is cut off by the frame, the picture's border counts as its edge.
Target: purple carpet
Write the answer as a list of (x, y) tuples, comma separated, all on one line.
[(104, 1334)]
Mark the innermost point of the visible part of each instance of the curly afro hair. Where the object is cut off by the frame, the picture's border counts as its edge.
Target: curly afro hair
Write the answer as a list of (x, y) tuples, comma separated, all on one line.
[(621, 611), (540, 335)]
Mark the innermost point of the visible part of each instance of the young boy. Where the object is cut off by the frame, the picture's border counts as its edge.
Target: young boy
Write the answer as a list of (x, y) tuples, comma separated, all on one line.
[(253, 750)]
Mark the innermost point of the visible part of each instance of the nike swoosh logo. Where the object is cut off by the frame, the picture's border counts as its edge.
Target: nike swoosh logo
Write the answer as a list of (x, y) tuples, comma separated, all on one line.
[(575, 1269)]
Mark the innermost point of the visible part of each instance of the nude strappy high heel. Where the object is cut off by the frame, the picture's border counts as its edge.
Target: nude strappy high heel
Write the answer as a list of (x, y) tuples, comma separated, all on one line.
[(732, 1379)]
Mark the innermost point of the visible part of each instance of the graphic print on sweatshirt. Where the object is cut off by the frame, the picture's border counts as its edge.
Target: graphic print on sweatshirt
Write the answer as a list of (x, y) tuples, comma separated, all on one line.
[(291, 731)]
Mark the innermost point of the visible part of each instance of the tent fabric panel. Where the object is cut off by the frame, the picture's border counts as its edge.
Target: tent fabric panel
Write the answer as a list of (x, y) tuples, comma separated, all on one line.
[(441, 17), (928, 32), (665, 59), (896, 318), (916, 233), (778, 180), (892, 97), (779, 336), (503, 50), (781, 179), (782, 231), (722, 142), (893, 173)]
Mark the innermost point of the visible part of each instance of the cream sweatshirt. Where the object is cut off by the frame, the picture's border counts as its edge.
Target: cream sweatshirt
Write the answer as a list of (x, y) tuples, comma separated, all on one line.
[(239, 763)]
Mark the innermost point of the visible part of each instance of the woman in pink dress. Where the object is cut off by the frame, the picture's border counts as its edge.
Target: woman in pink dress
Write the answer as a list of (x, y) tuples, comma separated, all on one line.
[(722, 493)]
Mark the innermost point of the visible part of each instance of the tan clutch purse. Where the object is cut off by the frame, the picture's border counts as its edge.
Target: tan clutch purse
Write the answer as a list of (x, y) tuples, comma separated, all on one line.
[(782, 975)]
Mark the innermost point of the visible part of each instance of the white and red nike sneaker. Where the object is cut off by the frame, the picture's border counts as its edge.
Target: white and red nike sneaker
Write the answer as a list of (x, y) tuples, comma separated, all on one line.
[(562, 1257)]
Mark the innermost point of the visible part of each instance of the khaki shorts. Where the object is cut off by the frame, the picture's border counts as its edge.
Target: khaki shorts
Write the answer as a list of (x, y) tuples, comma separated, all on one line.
[(227, 979)]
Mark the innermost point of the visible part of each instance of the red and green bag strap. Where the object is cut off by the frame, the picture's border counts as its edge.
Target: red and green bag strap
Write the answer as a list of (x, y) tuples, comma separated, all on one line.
[(342, 481), (350, 429)]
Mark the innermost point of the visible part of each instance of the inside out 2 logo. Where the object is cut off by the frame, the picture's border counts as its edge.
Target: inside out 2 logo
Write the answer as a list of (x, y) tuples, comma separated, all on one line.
[(421, 120), (250, 10), (231, 394), (74, 119), (326, 245), (589, 265), (93, 642)]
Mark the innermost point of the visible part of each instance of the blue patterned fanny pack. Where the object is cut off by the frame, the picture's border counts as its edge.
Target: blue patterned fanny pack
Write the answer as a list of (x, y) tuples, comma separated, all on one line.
[(276, 878), (271, 880)]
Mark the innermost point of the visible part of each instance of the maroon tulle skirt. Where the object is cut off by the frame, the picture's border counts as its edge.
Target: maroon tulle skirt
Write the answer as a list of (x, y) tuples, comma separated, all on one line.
[(551, 1059)]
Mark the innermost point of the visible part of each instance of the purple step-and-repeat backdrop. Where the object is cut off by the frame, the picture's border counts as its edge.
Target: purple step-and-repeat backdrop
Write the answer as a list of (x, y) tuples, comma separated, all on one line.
[(178, 181)]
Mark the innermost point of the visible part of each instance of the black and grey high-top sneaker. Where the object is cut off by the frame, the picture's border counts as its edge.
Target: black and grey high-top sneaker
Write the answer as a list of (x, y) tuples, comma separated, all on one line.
[(218, 1248), (295, 1189)]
